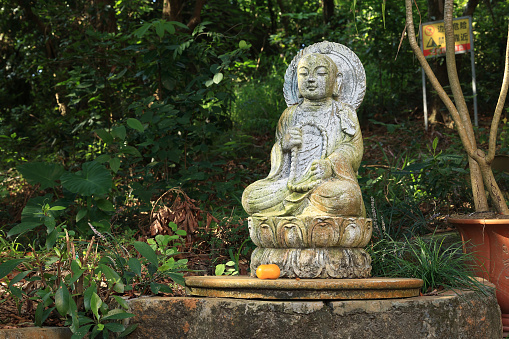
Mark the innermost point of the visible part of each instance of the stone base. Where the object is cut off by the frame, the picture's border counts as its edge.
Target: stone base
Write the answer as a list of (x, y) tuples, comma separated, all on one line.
[(309, 231), (36, 332), (315, 262), (446, 315), (312, 289)]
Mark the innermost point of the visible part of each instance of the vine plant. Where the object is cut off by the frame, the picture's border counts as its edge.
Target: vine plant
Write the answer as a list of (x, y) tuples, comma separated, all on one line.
[(481, 174)]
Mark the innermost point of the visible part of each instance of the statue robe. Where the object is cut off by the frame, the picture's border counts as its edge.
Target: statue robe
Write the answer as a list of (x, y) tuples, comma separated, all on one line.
[(336, 137)]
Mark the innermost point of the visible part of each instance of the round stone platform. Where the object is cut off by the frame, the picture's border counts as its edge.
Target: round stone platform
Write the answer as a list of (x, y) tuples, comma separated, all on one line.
[(244, 287), (465, 315)]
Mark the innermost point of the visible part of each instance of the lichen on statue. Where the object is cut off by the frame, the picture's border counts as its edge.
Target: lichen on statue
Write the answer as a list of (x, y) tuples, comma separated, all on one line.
[(317, 152)]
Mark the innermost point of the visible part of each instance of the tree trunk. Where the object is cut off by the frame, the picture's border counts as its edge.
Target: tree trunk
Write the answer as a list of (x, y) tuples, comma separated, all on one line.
[(480, 170), (282, 8), (43, 28), (172, 10), (103, 17), (470, 7), (196, 18), (273, 21), (328, 10)]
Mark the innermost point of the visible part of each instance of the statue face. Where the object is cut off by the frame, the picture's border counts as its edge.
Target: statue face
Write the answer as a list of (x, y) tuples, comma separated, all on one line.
[(316, 77)]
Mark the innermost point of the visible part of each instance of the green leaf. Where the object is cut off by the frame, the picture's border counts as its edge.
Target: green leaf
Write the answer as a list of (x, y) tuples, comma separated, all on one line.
[(104, 135), (93, 179), (118, 76), (62, 297), (16, 291), (87, 296), (114, 327), (135, 124), (102, 158), (57, 208), (178, 278), (140, 32), (109, 273), (75, 266), (112, 277), (159, 29), (121, 301), (135, 266), (130, 150), (119, 132), (147, 252), (51, 238), (105, 205), (8, 266), (209, 83), (181, 232), (117, 314), (220, 269), (43, 173), (50, 223), (128, 330), (23, 227), (242, 44), (168, 27), (218, 77), (115, 164), (81, 214), (177, 23), (76, 276), (18, 277), (95, 303), (75, 321), (155, 288), (82, 332), (41, 314)]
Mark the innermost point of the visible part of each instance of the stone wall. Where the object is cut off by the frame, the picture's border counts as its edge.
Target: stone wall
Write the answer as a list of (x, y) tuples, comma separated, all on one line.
[(444, 316)]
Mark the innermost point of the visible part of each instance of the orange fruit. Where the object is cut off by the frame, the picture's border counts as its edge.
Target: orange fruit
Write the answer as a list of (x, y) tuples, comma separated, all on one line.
[(270, 271)]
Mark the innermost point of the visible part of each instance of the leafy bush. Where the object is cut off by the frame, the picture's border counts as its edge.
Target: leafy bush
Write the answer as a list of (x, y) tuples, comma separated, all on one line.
[(411, 189), (80, 282)]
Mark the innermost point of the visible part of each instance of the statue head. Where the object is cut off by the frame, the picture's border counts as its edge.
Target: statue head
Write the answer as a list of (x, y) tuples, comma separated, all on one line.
[(318, 77)]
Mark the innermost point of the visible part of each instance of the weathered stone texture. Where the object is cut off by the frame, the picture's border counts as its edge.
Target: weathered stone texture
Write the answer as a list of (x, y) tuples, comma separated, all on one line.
[(445, 316), (36, 333)]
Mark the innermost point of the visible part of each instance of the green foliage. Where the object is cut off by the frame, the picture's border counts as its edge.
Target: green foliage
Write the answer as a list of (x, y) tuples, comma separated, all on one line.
[(260, 101), (80, 284), (226, 269), (408, 184), (93, 179), (156, 262), (91, 186), (69, 285), (426, 259)]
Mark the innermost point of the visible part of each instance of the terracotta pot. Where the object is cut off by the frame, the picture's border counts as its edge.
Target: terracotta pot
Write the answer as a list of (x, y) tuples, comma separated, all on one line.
[(488, 239)]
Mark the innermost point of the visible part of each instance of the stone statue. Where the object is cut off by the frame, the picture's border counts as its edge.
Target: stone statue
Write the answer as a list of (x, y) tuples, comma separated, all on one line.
[(308, 215)]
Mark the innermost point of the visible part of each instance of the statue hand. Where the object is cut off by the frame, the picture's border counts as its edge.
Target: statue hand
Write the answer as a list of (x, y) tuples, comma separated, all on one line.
[(293, 138), (320, 170)]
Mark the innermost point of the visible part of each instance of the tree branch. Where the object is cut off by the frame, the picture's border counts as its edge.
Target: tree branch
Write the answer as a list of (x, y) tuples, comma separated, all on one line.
[(196, 19), (500, 106), (433, 79)]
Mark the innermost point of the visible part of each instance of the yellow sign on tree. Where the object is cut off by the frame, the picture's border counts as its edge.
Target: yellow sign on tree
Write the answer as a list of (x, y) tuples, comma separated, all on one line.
[(433, 37)]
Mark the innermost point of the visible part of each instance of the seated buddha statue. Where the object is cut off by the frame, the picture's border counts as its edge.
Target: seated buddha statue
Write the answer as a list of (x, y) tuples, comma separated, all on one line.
[(317, 152)]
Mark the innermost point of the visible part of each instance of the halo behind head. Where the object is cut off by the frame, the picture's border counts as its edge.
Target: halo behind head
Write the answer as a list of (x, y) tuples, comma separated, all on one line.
[(353, 85)]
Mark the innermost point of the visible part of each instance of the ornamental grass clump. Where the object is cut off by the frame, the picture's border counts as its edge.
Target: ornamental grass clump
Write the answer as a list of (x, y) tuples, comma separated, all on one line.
[(438, 266)]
